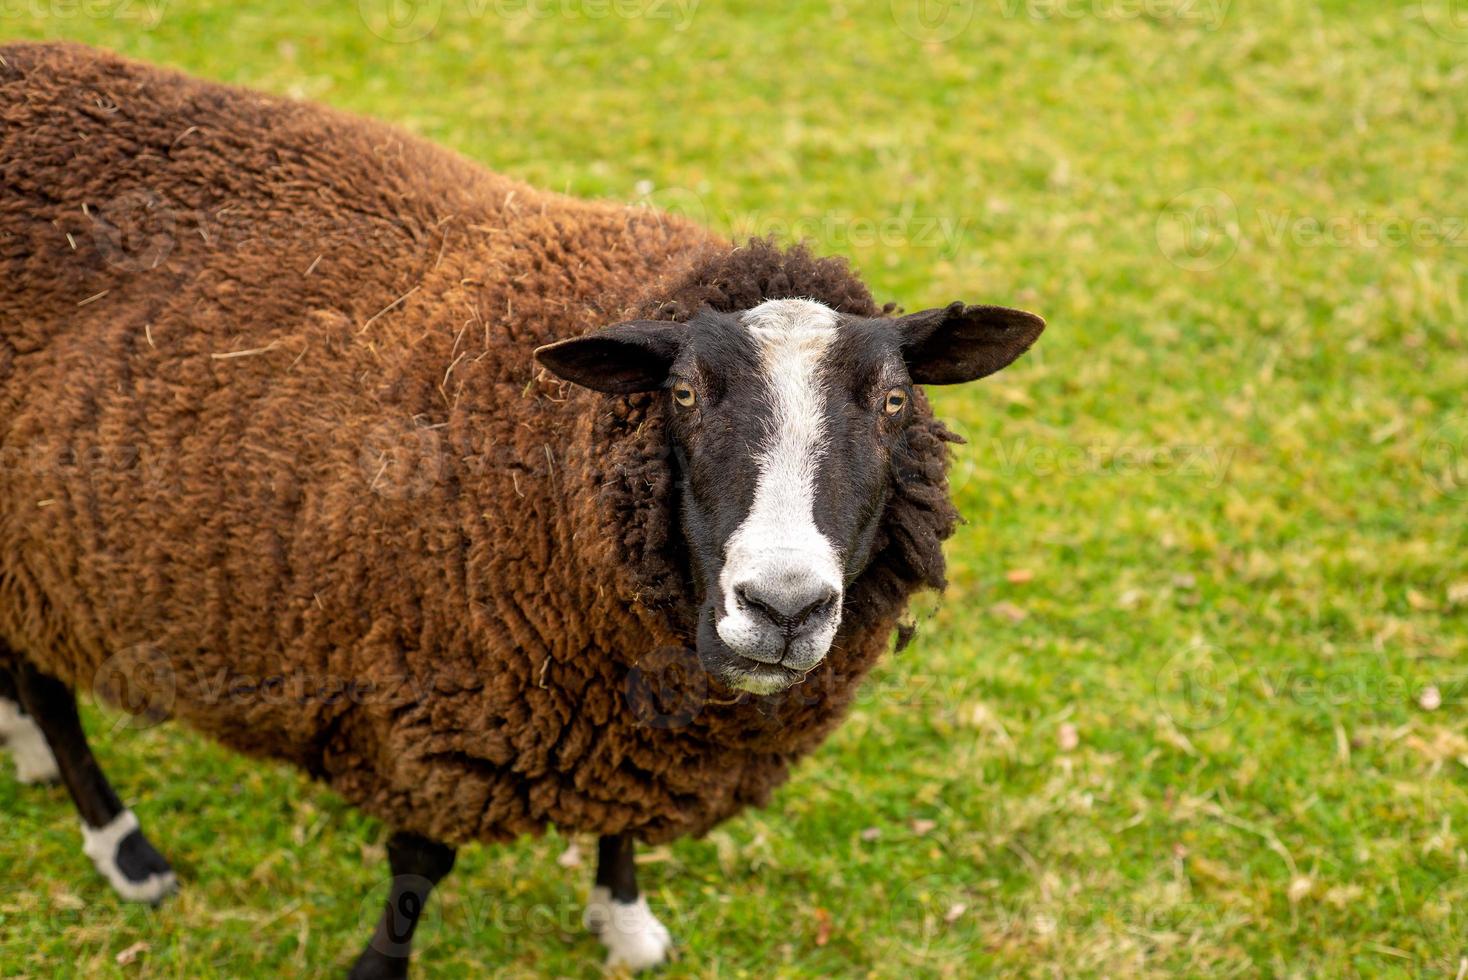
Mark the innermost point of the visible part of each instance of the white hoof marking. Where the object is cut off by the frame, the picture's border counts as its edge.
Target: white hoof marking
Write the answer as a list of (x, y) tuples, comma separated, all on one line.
[(633, 936), (100, 844), (34, 762)]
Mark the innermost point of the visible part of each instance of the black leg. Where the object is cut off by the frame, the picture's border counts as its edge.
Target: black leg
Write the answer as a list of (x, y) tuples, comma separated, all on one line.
[(616, 866), (618, 914), (8, 690), (53, 707), (110, 833), (418, 864)]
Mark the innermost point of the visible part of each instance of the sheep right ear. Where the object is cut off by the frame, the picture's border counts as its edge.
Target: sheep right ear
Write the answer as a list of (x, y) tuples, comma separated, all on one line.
[(619, 360)]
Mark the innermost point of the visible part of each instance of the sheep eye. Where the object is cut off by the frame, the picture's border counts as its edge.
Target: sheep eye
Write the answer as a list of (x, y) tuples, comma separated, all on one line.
[(683, 395), (894, 401)]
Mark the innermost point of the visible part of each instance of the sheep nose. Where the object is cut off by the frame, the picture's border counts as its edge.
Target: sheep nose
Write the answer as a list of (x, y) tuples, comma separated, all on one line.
[(791, 609)]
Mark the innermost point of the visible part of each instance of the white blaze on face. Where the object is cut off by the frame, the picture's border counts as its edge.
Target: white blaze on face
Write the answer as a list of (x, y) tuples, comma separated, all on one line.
[(778, 549)]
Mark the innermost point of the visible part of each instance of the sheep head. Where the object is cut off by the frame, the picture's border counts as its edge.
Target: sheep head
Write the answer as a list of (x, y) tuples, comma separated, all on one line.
[(784, 421)]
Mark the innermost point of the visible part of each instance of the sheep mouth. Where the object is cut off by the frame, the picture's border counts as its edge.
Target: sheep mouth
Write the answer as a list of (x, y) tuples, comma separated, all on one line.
[(737, 672), (744, 674)]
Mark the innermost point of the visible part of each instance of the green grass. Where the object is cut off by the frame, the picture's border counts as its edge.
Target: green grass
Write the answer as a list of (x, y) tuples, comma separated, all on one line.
[(1236, 467)]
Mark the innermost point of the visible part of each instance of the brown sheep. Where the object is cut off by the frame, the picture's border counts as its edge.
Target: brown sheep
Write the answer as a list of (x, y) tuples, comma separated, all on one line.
[(279, 464)]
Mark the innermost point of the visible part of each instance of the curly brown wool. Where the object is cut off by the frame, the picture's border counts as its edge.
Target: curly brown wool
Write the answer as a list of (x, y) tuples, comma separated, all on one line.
[(278, 464)]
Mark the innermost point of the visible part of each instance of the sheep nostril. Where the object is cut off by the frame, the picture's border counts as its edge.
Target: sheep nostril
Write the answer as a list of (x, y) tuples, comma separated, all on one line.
[(816, 610), (751, 602)]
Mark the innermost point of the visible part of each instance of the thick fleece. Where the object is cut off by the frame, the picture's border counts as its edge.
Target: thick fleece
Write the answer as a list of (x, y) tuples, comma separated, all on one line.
[(277, 461)]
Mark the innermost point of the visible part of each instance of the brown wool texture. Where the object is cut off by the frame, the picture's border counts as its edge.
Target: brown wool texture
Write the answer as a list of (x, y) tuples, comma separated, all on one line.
[(278, 463)]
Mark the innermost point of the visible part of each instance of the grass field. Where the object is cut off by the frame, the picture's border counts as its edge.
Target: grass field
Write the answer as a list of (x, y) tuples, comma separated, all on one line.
[(1195, 700)]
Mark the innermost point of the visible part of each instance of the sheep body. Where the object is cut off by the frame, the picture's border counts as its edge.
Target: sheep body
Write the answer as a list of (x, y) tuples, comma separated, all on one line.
[(278, 463)]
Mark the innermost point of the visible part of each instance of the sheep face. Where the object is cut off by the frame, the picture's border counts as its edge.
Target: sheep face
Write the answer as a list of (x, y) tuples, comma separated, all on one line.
[(783, 422)]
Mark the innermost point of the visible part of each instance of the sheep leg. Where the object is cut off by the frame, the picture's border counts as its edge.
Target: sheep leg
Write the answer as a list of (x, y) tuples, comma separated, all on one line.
[(110, 834), (19, 732), (418, 864), (618, 914)]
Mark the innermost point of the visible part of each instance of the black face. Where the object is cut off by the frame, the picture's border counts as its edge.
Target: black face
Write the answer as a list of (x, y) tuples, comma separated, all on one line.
[(784, 419)]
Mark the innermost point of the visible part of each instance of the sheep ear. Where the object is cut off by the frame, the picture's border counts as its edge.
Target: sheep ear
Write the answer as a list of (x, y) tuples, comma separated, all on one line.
[(963, 343), (619, 360)]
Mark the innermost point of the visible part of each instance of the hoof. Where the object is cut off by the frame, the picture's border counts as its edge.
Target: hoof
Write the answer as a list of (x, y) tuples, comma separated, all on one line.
[(633, 936), (34, 762), (131, 865)]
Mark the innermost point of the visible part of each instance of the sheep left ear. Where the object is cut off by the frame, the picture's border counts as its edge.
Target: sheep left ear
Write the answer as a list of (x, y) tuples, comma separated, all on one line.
[(961, 343), (619, 360)]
